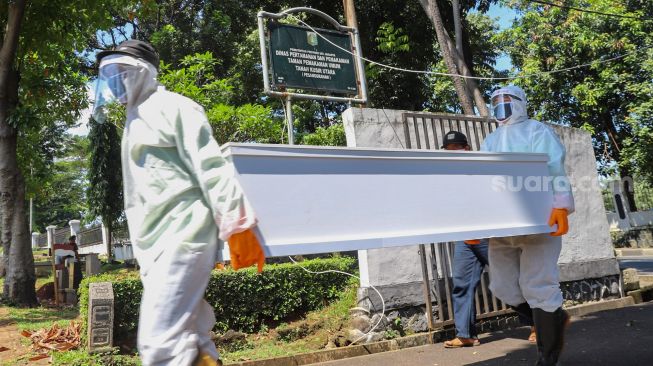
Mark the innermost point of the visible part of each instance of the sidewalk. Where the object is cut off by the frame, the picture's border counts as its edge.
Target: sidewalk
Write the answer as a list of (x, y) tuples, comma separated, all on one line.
[(613, 337)]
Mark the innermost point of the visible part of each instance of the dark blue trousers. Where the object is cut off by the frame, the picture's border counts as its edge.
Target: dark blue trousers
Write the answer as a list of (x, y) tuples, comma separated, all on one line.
[(468, 264)]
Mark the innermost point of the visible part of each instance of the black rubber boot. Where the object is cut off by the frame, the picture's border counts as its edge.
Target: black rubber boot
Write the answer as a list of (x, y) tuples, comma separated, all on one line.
[(524, 312), (550, 329)]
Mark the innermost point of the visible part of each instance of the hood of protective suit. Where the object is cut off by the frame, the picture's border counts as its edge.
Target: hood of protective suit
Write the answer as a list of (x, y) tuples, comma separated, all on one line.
[(140, 79), (519, 107)]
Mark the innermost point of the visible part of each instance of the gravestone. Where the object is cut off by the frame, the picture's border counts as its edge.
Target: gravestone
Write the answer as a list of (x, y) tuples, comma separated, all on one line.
[(92, 264), (100, 316)]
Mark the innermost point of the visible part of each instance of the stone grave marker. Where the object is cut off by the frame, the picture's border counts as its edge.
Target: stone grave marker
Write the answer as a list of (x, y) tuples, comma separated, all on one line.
[(100, 316)]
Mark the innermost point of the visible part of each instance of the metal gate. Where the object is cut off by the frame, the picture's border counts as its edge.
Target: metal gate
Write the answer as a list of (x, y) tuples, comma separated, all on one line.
[(426, 131)]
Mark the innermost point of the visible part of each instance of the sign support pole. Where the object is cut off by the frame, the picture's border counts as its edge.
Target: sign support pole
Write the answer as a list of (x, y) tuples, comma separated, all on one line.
[(289, 120)]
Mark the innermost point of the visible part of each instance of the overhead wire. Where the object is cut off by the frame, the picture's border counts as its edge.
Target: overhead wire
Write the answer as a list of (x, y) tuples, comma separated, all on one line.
[(490, 78), (587, 10)]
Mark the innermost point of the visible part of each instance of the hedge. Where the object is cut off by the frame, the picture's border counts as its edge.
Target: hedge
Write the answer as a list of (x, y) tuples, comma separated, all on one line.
[(242, 300)]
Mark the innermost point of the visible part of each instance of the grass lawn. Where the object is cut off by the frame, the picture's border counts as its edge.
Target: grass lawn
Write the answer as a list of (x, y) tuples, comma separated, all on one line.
[(42, 317)]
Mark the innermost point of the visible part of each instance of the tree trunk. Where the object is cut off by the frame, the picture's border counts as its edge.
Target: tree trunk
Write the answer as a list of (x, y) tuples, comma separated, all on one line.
[(14, 236), (459, 56), (433, 12), (458, 28), (471, 83), (109, 241)]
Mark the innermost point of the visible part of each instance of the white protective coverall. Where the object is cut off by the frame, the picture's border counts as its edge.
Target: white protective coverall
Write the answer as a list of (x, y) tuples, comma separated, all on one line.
[(525, 268), (180, 197)]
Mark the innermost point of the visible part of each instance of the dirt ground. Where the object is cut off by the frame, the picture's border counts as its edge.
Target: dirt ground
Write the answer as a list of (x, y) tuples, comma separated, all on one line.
[(10, 338)]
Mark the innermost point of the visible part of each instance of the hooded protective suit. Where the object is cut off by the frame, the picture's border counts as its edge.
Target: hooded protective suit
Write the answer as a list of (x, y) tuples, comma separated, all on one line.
[(524, 269), (518, 133), (180, 197)]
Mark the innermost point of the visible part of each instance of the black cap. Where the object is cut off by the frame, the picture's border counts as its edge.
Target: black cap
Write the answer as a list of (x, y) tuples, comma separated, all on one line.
[(135, 48), (454, 137)]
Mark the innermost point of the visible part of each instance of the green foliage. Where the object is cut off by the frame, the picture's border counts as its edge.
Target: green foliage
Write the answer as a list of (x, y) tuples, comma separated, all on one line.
[(41, 317), (610, 99), (105, 192), (245, 300), (333, 135), (485, 45), (245, 123), (195, 79), (52, 81), (391, 39), (242, 300), (83, 358), (59, 192)]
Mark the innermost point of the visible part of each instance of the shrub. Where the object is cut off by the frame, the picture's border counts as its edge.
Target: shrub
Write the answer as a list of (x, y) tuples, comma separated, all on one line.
[(242, 300)]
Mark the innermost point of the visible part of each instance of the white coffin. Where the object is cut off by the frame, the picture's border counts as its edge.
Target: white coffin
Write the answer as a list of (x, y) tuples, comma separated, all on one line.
[(325, 199)]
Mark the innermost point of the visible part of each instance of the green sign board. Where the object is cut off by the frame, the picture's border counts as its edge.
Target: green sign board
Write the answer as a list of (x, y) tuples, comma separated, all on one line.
[(302, 59)]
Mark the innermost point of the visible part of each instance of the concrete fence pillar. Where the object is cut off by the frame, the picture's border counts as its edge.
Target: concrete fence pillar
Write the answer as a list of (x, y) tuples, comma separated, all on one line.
[(50, 230), (620, 205), (35, 240), (74, 227)]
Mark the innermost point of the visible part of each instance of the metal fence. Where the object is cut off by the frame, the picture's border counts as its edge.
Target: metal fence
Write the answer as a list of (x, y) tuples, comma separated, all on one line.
[(90, 236), (85, 237), (426, 131)]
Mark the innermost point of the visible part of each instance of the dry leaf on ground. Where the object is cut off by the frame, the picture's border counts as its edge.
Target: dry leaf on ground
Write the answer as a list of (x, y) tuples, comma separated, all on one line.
[(54, 339)]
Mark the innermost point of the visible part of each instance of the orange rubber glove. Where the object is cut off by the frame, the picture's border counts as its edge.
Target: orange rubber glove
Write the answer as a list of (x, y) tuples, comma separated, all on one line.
[(245, 250), (559, 217), (473, 242)]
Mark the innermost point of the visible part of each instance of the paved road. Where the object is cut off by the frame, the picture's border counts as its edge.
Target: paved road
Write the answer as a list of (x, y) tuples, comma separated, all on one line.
[(609, 338), (643, 264)]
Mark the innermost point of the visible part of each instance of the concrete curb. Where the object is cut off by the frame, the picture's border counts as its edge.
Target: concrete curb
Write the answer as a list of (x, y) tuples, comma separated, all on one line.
[(634, 297), (643, 294), (347, 352), (634, 252), (584, 309)]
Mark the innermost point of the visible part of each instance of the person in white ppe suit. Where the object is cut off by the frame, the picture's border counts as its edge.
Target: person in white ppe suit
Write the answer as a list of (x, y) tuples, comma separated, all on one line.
[(524, 269), (180, 198)]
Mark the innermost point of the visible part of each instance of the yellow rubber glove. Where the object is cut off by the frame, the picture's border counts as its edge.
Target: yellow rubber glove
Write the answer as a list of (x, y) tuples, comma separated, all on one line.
[(473, 242), (245, 250), (559, 217)]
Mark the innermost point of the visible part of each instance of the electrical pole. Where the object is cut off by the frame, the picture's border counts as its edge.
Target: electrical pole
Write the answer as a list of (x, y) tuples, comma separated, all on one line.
[(352, 22)]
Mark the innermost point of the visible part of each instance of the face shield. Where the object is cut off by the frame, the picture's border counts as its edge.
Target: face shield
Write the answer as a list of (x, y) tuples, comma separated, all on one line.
[(112, 86), (503, 107)]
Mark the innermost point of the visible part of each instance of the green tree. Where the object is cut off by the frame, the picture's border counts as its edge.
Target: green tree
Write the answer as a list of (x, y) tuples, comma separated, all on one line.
[(61, 194), (611, 99), (34, 33), (195, 79), (105, 190), (486, 43), (333, 135)]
